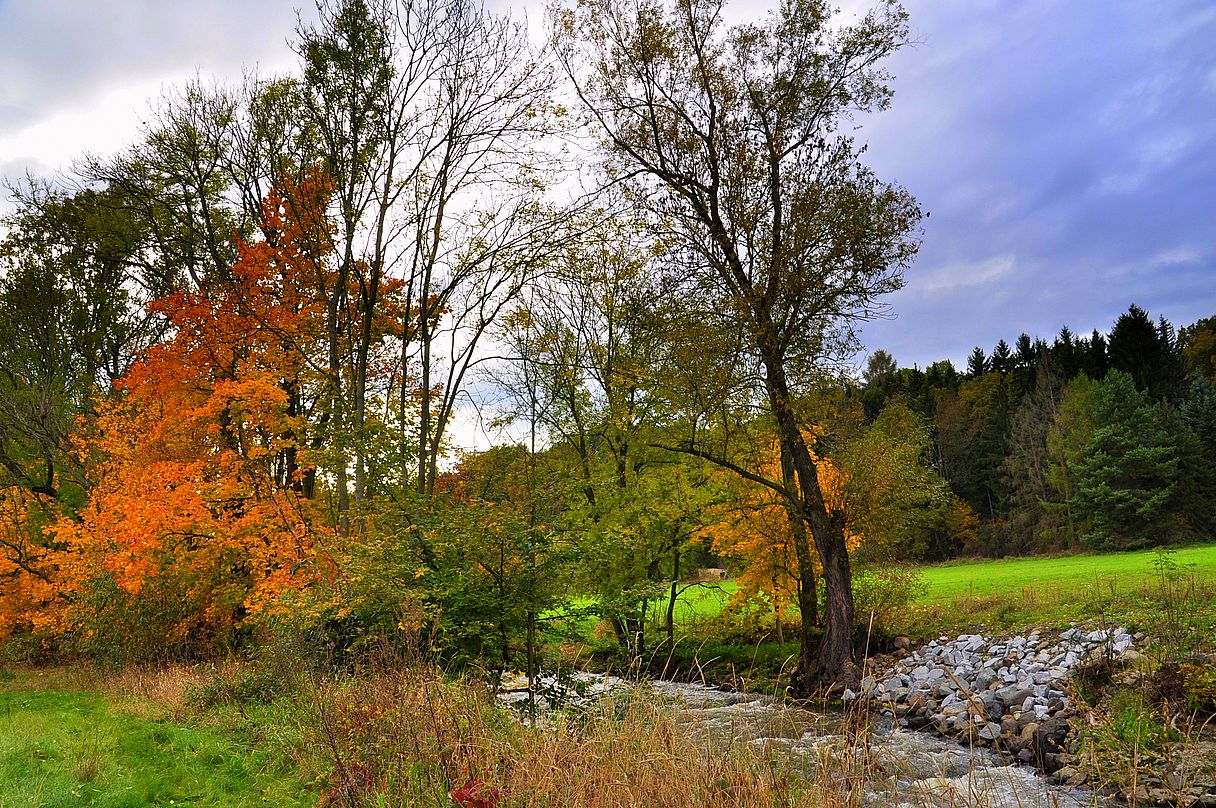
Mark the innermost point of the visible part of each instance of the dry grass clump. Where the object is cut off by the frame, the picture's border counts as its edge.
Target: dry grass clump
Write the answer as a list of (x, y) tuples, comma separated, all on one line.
[(151, 691), (168, 687), (412, 738)]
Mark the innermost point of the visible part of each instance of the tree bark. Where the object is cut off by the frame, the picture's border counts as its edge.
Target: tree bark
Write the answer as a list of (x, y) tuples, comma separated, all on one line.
[(832, 665)]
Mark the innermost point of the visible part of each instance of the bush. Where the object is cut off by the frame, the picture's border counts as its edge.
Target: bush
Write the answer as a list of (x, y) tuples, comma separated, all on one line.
[(1199, 686), (886, 592)]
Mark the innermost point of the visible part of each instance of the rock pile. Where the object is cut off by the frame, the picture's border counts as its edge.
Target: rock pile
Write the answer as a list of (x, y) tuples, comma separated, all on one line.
[(1011, 693)]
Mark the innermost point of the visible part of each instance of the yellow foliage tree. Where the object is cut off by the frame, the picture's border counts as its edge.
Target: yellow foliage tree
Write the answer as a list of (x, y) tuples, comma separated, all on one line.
[(756, 527)]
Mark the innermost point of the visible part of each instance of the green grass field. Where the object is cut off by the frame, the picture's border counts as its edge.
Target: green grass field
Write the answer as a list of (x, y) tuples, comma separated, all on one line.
[(1172, 598), (1009, 592), (1120, 570), (67, 748)]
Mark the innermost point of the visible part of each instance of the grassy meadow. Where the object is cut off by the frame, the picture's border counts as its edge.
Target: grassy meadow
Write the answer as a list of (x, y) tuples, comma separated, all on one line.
[(1007, 593), (1060, 574), (407, 735), (64, 743)]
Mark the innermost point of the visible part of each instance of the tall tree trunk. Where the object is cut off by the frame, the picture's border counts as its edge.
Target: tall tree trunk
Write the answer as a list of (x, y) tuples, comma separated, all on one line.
[(808, 587), (671, 602), (833, 664)]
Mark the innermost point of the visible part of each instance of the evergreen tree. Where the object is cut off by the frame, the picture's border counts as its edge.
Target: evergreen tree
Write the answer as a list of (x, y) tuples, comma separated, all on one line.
[(1002, 358), (1066, 354), (1134, 347), (1096, 359), (942, 375), (1148, 353), (1034, 523), (1171, 373), (1128, 479), (1025, 352), (1197, 449), (1025, 359), (977, 363)]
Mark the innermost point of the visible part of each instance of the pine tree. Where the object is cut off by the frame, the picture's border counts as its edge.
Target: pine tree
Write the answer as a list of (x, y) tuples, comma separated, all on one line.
[(1149, 353), (1002, 358), (1171, 372), (1096, 360), (977, 363), (1196, 423), (1035, 520), (1066, 354), (1128, 479)]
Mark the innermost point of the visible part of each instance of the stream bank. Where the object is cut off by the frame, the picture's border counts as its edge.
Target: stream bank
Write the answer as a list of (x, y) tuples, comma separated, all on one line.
[(894, 765)]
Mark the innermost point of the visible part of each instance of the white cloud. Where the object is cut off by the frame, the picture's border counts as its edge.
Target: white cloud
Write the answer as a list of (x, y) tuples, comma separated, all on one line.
[(962, 274), (1177, 256), (1154, 155)]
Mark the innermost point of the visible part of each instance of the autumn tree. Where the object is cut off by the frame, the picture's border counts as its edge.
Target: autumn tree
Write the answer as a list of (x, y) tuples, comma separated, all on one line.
[(1198, 342), (201, 504), (736, 133), (757, 526), (429, 117)]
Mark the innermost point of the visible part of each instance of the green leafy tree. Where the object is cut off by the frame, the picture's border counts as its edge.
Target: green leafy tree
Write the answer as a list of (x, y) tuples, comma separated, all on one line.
[(72, 319), (893, 497), (589, 352), (1128, 477), (737, 135), (1070, 432)]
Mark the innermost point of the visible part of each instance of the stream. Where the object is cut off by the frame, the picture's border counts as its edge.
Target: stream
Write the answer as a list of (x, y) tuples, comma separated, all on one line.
[(903, 768)]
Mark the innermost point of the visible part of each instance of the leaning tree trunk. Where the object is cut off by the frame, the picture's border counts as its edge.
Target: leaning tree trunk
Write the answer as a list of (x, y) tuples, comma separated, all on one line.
[(808, 590), (832, 665)]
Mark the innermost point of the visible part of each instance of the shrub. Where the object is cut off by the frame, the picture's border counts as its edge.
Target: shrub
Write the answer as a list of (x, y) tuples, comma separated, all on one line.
[(1199, 686), (886, 592)]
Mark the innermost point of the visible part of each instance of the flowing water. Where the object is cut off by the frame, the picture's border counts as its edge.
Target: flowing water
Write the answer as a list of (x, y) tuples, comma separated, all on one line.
[(900, 767)]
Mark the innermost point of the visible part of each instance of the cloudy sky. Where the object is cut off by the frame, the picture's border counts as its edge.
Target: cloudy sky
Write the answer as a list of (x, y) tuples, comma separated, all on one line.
[(1065, 149)]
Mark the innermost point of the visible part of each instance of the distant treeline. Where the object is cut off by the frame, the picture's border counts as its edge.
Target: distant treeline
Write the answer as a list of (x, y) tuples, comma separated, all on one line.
[(1105, 441)]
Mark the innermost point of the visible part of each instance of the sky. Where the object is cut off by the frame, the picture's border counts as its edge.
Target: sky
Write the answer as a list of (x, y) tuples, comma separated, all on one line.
[(1065, 150)]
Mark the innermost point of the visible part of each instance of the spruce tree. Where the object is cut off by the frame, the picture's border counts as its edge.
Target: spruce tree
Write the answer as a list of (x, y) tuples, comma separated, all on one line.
[(977, 363), (1002, 358), (1128, 478), (1196, 429)]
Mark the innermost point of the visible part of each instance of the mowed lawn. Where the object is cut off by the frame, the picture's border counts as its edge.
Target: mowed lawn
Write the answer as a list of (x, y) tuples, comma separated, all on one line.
[(69, 748), (1117, 571), (1050, 586)]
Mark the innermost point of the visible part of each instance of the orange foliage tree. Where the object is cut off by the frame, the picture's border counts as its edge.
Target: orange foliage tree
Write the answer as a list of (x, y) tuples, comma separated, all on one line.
[(756, 526), (203, 504), (26, 574)]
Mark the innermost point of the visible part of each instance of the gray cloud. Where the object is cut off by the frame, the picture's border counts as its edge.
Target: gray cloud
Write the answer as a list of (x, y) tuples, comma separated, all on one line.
[(1077, 141), (1066, 151), (55, 53)]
